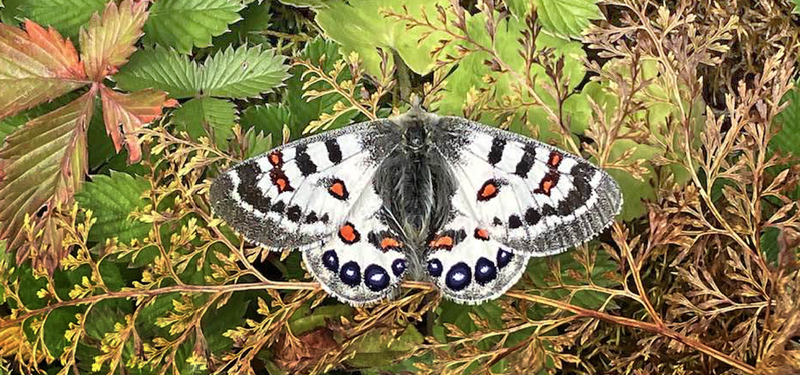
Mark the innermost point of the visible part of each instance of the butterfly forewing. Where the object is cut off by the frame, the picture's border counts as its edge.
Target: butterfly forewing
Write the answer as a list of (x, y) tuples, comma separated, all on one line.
[(300, 193), (532, 197)]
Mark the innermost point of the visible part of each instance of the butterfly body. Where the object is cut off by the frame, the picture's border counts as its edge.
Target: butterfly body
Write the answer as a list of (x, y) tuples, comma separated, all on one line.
[(417, 196)]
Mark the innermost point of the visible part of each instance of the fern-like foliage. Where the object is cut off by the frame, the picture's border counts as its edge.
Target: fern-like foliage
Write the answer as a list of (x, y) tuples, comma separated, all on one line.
[(691, 106)]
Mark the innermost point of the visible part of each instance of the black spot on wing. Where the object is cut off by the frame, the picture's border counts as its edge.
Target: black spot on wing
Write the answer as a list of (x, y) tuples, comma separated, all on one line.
[(532, 216), (514, 222), (334, 152), (294, 213), (496, 152), (279, 207), (248, 187), (581, 190), (303, 160), (526, 162)]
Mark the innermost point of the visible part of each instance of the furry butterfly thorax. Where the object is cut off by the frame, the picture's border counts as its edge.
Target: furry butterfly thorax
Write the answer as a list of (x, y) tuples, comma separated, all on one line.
[(417, 196)]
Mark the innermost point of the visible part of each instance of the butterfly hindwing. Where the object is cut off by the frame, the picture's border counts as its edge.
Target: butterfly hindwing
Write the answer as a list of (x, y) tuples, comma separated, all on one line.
[(364, 261), (468, 265), (300, 193), (532, 197)]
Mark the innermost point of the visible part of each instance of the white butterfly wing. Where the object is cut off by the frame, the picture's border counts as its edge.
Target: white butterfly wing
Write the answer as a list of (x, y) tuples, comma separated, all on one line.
[(530, 196), (316, 194), (300, 193), (516, 198), (365, 261)]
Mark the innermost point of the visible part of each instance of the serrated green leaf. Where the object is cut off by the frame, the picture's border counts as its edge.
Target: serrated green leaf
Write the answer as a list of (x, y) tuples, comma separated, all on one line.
[(67, 16), (566, 17), (270, 119), (112, 199), (243, 73), (161, 69), (183, 24), (257, 143), (367, 29), (796, 9), (209, 117), (255, 18), (519, 8)]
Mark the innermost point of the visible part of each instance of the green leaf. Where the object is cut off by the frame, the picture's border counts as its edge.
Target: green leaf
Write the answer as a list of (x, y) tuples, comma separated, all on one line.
[(257, 143), (270, 119), (306, 3), (367, 29), (107, 41), (567, 17), (796, 9), (320, 317), (519, 8), (788, 138), (255, 18), (302, 111), (469, 76), (207, 117), (161, 69), (183, 24), (243, 73), (67, 16), (111, 199), (36, 66), (573, 272), (377, 348), (55, 325), (44, 162), (769, 244)]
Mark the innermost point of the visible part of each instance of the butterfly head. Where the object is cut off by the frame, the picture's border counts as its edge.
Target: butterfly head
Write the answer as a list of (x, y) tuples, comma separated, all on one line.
[(415, 126)]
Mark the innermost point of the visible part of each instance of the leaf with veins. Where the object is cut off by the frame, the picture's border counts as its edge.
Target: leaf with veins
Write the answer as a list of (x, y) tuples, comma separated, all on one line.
[(36, 65), (107, 41), (123, 114)]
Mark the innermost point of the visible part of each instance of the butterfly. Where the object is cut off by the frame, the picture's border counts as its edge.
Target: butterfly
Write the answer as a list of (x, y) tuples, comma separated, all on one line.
[(417, 196)]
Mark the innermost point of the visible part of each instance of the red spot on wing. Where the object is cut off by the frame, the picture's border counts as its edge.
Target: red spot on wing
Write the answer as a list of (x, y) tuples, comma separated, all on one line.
[(275, 158), (338, 190), (442, 242), (481, 234), (489, 190), (555, 159), (348, 234), (547, 184), (387, 243)]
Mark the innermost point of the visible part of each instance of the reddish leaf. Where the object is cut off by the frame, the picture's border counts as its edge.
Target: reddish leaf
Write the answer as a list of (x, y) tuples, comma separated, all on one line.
[(42, 164), (36, 65), (123, 114), (107, 41)]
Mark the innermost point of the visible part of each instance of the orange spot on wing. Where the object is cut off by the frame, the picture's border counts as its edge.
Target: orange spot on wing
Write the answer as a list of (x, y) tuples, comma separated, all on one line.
[(488, 190), (337, 189), (547, 185), (282, 183), (555, 159), (442, 242), (482, 234), (275, 158), (388, 242), (348, 232)]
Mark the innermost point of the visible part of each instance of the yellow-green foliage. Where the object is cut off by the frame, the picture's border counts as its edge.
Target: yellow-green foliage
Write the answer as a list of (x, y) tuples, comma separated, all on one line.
[(120, 267)]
